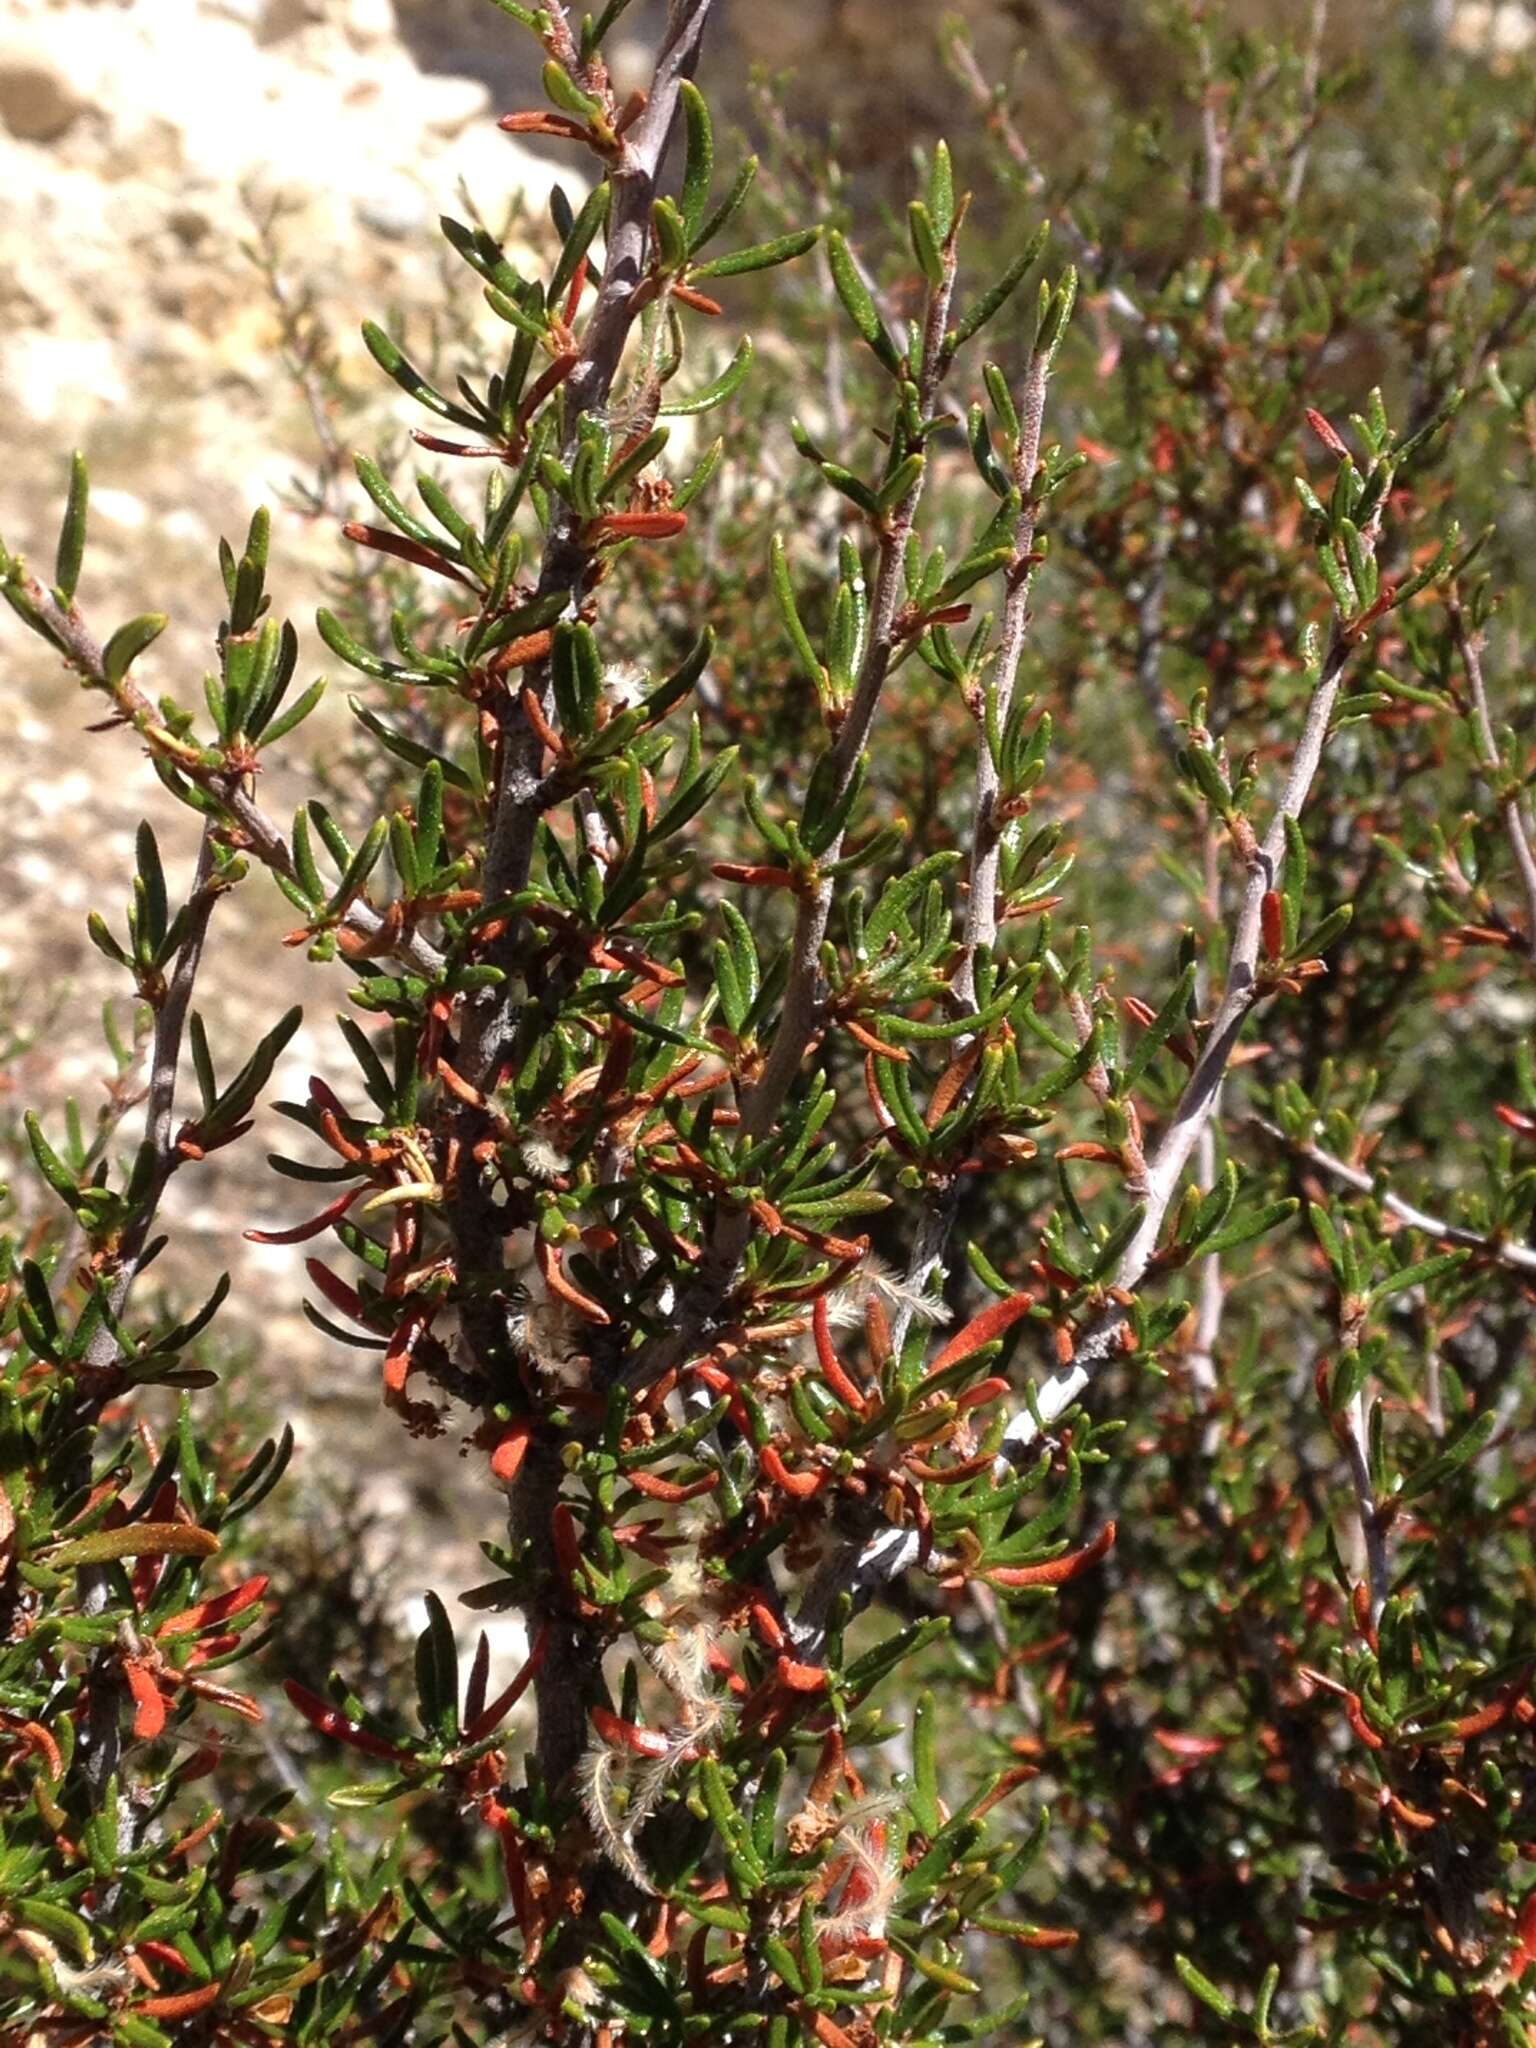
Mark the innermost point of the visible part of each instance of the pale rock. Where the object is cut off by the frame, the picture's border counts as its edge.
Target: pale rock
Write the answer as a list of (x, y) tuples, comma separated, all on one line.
[(183, 524), (247, 12), (394, 206), (366, 22), (494, 169), (446, 105), (1499, 31), (189, 225), (49, 375), (34, 869), (39, 101), (152, 148), (277, 19), (71, 793), (120, 508), (1514, 30)]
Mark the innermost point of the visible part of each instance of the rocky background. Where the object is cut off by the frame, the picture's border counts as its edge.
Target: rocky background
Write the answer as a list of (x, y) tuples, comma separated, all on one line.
[(192, 187)]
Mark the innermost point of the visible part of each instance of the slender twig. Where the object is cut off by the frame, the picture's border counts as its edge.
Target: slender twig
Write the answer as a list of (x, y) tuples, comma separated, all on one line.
[(1311, 74), (798, 1019), (1506, 790), (101, 1735), (164, 1065), (861, 1560), (1086, 253), (1150, 603), (799, 1014), (1213, 152), (1354, 1429), (306, 355), (986, 826), (570, 1672), (1210, 1296), (522, 792), (1165, 1169), (1242, 987), (1498, 1251), (1215, 137), (70, 635)]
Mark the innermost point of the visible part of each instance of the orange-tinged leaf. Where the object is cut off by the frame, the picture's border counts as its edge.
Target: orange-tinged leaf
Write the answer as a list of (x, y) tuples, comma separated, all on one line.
[(1525, 1929), (193, 1620), (654, 1487), (148, 1702), (1048, 1937), (511, 1449), (1057, 1570), (1326, 433), (832, 1369), (330, 1720), (871, 1043), (555, 1279), (982, 1329), (797, 1677), (798, 1485), (640, 525), (38, 1736), (1195, 1748), (331, 1213), (829, 2033), (178, 2005), (1272, 922), (621, 1734)]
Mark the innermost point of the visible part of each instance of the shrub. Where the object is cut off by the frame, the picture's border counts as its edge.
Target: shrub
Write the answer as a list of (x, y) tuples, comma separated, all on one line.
[(940, 1091)]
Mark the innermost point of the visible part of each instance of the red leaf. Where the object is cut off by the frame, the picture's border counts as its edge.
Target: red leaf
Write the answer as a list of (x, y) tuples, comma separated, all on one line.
[(1059, 1569), (548, 1260), (329, 1720), (540, 123), (562, 1527), (798, 1485), (149, 1704), (1272, 921), (982, 1329), (656, 1488), (404, 550), (1326, 434), (504, 1702), (511, 1449), (331, 1213), (832, 1370), (193, 1620), (753, 876), (1191, 1747), (626, 1735), (1525, 1928), (701, 302), (178, 2005), (871, 1043), (641, 525), (336, 1292), (800, 1677)]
